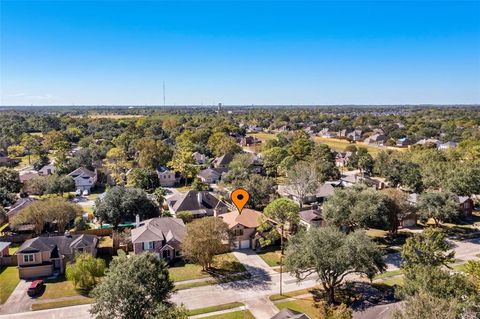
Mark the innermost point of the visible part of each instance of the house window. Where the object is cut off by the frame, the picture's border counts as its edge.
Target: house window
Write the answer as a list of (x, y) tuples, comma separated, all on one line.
[(148, 245), (166, 254), (467, 205), (238, 232), (29, 258)]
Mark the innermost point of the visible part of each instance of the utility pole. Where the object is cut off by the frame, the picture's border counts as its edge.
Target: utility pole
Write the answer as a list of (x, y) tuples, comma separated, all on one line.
[(281, 272)]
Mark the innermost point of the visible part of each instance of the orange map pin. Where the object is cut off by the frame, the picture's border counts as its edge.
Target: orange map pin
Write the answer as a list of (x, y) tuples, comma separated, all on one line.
[(240, 198)]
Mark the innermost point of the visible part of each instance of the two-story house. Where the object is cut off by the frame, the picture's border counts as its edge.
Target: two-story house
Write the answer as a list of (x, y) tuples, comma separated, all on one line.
[(43, 256), (243, 227), (84, 178), (166, 177), (161, 235)]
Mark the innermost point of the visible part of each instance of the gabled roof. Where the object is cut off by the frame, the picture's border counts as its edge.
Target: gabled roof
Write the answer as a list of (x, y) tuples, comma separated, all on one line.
[(325, 190), (170, 229), (211, 173), (20, 204), (223, 160), (311, 215), (4, 244), (287, 313), (64, 244), (249, 218), (82, 171), (194, 201)]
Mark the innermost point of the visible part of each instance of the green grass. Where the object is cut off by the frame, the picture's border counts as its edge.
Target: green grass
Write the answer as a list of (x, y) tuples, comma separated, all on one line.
[(213, 281), (291, 294), (59, 288), (223, 264), (226, 306), (306, 306), (105, 241), (392, 281), (376, 233), (270, 255), (388, 274), (13, 248), (9, 280), (63, 303), (3, 227), (233, 315)]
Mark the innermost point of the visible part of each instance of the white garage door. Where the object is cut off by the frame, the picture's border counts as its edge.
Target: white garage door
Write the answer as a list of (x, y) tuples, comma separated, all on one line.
[(245, 244)]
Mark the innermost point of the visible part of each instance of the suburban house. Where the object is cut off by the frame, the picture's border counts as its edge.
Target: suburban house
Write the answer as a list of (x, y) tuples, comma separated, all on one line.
[(166, 177), (355, 135), (84, 179), (248, 141), (25, 176), (342, 158), (222, 161), (46, 170), (403, 142), (323, 192), (210, 175), (200, 204), (348, 180), (7, 161), (20, 204), (243, 227), (287, 313), (427, 141), (376, 139), (43, 256), (200, 158), (465, 206), (311, 218), (161, 235), (447, 145), (326, 133), (4, 248)]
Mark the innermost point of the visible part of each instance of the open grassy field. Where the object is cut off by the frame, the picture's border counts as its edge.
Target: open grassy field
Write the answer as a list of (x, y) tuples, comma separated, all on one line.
[(334, 143), (8, 281)]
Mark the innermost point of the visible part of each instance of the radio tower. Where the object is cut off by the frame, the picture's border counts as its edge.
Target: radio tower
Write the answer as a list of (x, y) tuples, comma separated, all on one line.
[(163, 93)]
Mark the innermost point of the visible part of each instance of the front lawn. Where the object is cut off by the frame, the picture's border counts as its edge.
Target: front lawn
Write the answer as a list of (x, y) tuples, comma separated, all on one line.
[(294, 293), (223, 264), (242, 314), (9, 280), (270, 255), (62, 303), (226, 306), (305, 305), (59, 288)]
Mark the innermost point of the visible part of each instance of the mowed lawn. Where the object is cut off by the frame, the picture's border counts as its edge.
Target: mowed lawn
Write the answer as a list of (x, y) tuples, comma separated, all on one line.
[(233, 315), (270, 255), (8, 281), (58, 289), (223, 264), (305, 305)]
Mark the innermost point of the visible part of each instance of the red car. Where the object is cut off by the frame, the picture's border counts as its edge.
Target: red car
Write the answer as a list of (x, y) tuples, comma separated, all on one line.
[(35, 288)]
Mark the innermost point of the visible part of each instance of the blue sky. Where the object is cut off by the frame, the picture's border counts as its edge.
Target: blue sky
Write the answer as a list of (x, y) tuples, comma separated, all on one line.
[(388, 52)]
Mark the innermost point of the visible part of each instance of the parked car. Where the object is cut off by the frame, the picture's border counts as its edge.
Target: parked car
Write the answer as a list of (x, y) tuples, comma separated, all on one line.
[(36, 287), (78, 192), (85, 193)]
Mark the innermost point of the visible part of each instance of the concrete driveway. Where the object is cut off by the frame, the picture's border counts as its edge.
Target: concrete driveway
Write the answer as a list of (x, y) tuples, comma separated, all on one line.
[(18, 301)]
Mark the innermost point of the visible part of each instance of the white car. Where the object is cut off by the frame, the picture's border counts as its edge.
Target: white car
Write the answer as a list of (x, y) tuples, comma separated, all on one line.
[(85, 192)]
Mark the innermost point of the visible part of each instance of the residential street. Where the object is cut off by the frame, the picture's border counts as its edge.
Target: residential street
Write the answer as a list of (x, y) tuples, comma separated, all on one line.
[(253, 291)]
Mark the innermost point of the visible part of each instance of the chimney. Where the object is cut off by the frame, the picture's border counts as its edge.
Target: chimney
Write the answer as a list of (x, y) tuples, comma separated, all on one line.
[(137, 221)]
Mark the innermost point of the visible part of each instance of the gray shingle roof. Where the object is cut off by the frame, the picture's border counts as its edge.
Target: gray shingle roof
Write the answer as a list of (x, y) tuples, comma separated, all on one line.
[(194, 201), (64, 244), (170, 229)]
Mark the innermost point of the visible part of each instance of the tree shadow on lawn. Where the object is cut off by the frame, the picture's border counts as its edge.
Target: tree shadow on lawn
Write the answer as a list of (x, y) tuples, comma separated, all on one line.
[(261, 280)]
